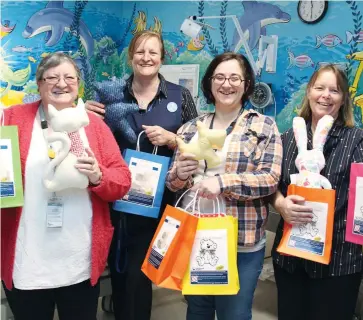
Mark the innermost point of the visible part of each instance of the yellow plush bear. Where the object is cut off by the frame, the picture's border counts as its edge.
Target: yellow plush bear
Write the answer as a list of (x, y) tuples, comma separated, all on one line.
[(202, 148)]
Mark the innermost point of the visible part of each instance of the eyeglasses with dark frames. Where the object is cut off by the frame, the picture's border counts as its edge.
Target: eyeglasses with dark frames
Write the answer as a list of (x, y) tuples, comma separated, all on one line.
[(234, 80)]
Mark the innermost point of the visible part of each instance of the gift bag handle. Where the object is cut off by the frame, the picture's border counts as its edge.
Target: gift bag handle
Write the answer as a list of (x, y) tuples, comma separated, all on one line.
[(155, 150), (214, 206), (193, 200)]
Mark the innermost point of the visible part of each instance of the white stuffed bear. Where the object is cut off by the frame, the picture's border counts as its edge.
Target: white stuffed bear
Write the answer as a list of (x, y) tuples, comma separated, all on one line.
[(61, 173), (207, 254)]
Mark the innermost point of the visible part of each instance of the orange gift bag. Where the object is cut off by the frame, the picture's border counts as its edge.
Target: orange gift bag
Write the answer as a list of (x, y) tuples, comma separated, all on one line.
[(313, 240), (168, 256)]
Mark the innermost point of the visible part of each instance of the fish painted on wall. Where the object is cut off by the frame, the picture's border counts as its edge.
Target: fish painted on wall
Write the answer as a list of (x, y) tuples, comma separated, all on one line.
[(350, 36), (21, 49), (54, 20), (141, 23), (330, 41), (302, 61), (256, 17), (5, 29), (16, 78)]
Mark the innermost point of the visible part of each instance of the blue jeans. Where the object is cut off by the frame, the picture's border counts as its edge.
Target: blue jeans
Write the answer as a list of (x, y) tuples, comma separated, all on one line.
[(235, 307)]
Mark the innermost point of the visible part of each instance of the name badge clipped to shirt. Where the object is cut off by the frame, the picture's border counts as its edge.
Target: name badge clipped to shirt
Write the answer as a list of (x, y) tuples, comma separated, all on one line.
[(55, 209)]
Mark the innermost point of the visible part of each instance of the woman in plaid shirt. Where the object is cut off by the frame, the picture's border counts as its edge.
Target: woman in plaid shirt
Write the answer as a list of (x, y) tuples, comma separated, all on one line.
[(250, 171)]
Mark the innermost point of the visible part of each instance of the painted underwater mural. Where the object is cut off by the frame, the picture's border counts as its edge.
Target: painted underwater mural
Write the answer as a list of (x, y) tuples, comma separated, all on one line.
[(96, 34)]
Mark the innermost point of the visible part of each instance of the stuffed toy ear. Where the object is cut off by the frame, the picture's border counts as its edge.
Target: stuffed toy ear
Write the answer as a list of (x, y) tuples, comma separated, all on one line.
[(52, 111), (321, 132), (300, 134), (80, 103)]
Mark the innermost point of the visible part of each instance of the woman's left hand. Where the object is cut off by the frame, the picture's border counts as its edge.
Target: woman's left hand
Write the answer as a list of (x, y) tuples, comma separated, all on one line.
[(208, 188), (88, 165), (158, 136)]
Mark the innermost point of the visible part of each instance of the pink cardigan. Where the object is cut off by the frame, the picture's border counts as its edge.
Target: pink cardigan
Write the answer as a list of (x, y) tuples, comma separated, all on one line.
[(116, 181)]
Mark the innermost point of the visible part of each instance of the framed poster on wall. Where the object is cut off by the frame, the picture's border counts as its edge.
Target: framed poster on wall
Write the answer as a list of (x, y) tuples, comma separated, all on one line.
[(186, 75)]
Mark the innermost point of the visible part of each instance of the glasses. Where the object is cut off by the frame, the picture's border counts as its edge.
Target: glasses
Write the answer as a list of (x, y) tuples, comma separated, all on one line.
[(234, 80), (55, 80)]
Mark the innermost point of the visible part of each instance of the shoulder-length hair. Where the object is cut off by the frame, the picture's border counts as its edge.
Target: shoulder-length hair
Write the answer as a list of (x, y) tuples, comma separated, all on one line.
[(345, 115)]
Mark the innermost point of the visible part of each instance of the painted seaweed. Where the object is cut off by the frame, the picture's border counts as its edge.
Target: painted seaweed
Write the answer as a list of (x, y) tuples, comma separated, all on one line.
[(213, 49), (222, 26), (357, 19)]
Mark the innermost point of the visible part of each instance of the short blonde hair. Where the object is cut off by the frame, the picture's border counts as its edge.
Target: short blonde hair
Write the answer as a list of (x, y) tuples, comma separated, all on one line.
[(141, 36), (345, 115)]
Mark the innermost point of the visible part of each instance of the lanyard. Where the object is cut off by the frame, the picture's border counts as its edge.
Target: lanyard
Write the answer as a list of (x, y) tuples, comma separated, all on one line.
[(44, 126), (43, 121)]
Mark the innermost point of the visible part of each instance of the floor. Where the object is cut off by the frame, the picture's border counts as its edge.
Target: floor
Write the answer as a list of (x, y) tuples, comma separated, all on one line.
[(168, 303)]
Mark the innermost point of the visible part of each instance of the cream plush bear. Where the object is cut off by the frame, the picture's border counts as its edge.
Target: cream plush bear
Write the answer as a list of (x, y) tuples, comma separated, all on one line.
[(202, 148)]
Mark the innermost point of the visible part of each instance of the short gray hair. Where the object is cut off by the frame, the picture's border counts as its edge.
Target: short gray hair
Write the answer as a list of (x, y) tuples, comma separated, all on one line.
[(54, 60)]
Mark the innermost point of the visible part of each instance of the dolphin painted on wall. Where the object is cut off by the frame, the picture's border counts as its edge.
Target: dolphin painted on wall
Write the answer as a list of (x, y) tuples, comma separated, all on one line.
[(54, 20), (257, 15)]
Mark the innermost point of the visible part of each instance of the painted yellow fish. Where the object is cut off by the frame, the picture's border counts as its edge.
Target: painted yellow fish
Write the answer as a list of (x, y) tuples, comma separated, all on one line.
[(105, 74), (196, 44), (31, 59), (45, 54)]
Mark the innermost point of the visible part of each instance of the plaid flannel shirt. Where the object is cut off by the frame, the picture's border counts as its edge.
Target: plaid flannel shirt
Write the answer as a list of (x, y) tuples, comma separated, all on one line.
[(252, 172)]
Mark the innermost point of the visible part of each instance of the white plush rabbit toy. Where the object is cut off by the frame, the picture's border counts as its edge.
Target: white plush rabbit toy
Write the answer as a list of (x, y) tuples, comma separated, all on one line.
[(311, 162)]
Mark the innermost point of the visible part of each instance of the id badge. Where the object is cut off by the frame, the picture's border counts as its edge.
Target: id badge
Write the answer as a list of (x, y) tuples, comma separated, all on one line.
[(55, 212)]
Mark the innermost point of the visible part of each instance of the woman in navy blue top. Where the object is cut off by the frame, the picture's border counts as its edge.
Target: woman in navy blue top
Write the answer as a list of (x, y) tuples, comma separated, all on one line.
[(163, 108)]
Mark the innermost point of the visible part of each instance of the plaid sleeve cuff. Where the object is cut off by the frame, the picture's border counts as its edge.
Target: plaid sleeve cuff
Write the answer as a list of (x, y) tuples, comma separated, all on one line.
[(174, 183)]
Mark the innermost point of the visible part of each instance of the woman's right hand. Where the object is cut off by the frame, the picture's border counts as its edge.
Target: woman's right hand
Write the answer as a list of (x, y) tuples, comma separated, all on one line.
[(95, 107), (186, 165), (294, 211)]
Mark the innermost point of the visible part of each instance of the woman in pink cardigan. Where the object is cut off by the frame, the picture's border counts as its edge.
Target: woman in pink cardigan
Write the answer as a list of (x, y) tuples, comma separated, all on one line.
[(43, 264)]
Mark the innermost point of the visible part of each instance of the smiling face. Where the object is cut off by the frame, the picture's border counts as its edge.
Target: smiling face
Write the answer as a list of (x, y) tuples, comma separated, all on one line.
[(228, 94), (325, 97), (147, 57), (62, 93)]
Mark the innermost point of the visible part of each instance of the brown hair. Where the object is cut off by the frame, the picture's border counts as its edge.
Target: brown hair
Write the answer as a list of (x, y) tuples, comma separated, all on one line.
[(54, 60), (142, 36), (247, 71), (345, 115)]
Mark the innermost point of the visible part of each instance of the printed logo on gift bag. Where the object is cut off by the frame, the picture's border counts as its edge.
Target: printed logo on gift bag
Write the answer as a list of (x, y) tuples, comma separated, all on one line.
[(310, 236), (358, 208), (145, 177), (163, 240), (209, 259)]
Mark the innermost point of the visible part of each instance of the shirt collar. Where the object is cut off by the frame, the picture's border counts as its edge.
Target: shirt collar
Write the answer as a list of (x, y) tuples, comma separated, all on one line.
[(336, 130), (161, 90)]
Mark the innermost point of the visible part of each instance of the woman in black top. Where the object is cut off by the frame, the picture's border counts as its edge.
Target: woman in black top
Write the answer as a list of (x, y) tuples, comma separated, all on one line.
[(308, 290), (163, 108)]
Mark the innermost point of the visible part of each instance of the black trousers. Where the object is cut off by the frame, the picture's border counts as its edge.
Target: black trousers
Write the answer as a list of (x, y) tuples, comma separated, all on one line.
[(131, 289), (75, 302), (303, 298)]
